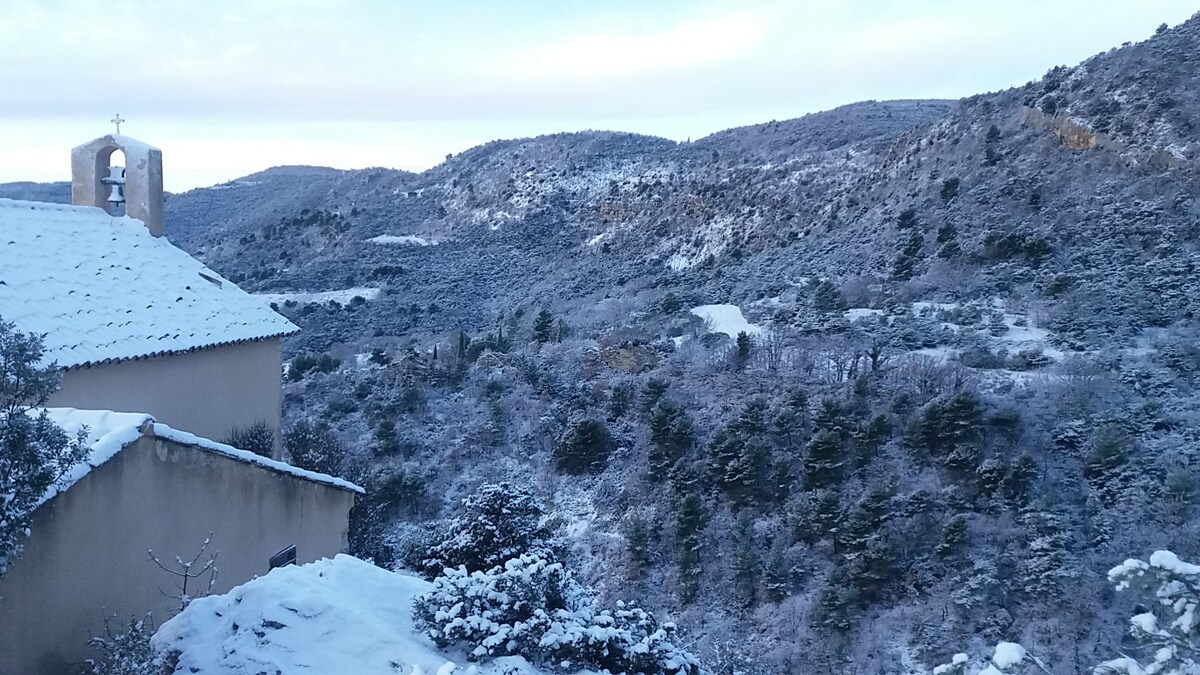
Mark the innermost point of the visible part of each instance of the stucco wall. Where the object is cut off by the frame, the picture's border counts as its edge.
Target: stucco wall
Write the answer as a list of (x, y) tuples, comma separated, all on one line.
[(206, 392), (86, 557)]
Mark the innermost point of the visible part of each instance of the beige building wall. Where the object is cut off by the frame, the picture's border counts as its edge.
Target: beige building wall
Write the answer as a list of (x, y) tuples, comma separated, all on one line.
[(86, 557), (207, 392)]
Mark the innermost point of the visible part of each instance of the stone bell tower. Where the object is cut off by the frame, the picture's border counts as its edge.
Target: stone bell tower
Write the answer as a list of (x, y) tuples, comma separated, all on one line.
[(137, 187)]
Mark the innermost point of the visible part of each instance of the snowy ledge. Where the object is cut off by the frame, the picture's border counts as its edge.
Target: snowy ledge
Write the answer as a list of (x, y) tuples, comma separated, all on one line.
[(183, 437), (110, 432)]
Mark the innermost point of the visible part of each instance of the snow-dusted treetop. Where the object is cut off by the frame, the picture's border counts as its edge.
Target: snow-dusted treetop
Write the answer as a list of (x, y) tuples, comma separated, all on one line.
[(102, 288)]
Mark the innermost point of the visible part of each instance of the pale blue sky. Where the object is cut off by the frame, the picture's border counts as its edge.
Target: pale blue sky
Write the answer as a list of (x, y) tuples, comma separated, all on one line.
[(229, 88)]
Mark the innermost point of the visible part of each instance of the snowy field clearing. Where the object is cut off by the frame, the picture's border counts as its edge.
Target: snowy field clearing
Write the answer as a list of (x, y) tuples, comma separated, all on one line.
[(726, 319), (401, 240), (343, 296), (339, 615)]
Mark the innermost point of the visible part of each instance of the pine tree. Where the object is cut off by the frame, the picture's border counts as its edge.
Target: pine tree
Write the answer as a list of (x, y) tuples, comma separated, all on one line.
[(690, 522), (637, 545), (543, 327), (1021, 474), (1048, 562), (742, 351), (671, 436), (823, 463), (907, 219), (745, 560), (498, 522), (827, 298), (905, 264), (652, 393), (584, 447), (776, 575), (1105, 464), (954, 537), (870, 438)]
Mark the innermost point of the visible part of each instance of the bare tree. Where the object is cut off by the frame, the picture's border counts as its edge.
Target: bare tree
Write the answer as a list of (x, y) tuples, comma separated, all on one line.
[(186, 571)]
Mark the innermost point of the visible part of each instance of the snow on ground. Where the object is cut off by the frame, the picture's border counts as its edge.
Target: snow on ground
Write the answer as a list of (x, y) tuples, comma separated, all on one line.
[(403, 239), (1028, 337), (331, 616), (343, 296), (726, 319), (856, 313)]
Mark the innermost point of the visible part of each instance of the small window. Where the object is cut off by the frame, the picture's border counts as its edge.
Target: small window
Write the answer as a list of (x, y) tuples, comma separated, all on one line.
[(285, 557)]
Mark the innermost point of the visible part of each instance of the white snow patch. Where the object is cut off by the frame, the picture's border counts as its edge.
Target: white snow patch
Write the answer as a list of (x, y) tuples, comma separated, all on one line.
[(1169, 561), (726, 319), (856, 313), (339, 615), (343, 296), (403, 239), (1008, 654)]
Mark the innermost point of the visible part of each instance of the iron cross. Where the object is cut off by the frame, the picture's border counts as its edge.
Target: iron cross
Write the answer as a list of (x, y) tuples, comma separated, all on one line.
[(117, 119)]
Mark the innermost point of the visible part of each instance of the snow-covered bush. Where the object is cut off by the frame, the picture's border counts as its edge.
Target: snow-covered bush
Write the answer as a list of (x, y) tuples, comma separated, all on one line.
[(500, 521), (127, 651), (532, 607), (1170, 635)]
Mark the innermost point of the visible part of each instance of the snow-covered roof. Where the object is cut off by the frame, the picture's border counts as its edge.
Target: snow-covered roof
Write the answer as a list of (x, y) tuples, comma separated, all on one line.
[(339, 615), (102, 288), (110, 432)]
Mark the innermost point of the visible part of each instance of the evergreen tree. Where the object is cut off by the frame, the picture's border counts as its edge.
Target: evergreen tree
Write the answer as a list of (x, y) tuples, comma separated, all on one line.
[(991, 146), (35, 454), (742, 351), (776, 575), (870, 438), (498, 522), (619, 401), (954, 537), (907, 219), (1105, 464), (637, 545), (652, 393), (1021, 474), (823, 463), (690, 522), (827, 298), (386, 442), (1048, 563), (671, 436), (543, 327), (745, 560), (584, 447), (313, 447), (950, 423), (905, 264)]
